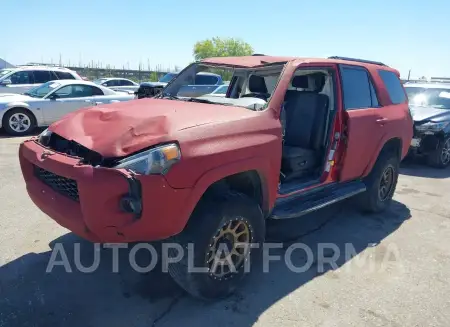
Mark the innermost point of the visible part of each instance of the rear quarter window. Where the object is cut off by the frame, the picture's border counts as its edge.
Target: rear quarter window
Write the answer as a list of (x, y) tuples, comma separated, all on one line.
[(393, 86), (64, 75)]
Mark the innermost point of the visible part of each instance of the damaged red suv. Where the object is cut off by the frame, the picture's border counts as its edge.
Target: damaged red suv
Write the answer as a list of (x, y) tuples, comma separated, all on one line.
[(290, 136)]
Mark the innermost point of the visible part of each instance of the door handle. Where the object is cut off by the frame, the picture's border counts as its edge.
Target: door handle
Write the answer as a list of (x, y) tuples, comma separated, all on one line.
[(382, 121)]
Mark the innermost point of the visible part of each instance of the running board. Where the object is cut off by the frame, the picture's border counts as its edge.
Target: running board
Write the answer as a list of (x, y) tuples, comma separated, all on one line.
[(299, 205)]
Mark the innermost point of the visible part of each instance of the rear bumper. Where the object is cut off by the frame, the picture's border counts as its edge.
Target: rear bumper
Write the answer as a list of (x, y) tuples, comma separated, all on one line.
[(97, 215)]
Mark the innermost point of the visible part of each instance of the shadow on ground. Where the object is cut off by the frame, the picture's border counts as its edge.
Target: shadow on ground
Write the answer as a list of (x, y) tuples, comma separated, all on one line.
[(419, 168), (31, 297)]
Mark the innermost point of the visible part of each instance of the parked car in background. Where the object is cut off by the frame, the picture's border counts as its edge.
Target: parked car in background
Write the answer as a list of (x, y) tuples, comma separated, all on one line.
[(430, 108), (220, 91), (204, 83), (291, 136), (45, 104), (23, 78), (118, 84), (150, 89)]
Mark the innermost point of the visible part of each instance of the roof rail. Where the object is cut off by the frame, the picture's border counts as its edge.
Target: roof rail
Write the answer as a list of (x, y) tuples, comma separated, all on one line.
[(40, 64), (358, 60)]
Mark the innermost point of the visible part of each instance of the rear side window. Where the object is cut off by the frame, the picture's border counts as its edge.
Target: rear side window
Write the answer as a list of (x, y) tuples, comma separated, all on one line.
[(205, 80), (96, 91), (112, 82), (393, 86), (42, 76), (124, 82), (359, 91), (64, 75)]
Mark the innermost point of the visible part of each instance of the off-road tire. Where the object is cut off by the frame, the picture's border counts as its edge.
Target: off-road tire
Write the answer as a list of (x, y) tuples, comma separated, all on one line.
[(435, 158), (370, 200), (10, 113), (209, 216)]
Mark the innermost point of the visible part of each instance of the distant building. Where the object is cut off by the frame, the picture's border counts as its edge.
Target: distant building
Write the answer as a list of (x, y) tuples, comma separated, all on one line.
[(5, 64)]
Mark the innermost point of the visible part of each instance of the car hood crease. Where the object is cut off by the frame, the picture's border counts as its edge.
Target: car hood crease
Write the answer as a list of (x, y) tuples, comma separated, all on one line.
[(120, 129)]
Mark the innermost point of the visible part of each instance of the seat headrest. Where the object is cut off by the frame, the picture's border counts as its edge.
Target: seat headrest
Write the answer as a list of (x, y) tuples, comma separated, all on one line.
[(318, 81), (300, 81), (257, 84)]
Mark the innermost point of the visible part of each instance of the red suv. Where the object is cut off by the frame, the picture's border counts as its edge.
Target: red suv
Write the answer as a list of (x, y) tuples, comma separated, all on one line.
[(290, 136)]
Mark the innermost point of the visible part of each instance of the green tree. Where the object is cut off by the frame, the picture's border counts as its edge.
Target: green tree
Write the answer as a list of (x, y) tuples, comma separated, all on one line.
[(154, 77), (221, 47)]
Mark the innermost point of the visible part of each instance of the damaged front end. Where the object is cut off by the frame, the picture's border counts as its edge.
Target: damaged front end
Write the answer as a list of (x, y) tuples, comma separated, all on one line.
[(102, 199), (147, 90), (427, 136)]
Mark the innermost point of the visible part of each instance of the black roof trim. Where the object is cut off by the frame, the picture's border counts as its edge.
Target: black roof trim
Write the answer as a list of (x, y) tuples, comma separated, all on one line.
[(358, 60)]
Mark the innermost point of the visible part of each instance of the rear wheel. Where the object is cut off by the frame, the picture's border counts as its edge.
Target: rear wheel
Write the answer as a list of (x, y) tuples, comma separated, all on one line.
[(440, 158), (220, 232), (18, 122), (381, 183)]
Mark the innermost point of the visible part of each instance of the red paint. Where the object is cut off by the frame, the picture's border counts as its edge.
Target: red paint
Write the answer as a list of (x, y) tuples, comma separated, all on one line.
[(216, 141)]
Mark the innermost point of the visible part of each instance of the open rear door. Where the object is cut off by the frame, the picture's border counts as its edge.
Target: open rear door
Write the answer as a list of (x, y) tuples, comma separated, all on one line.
[(362, 137)]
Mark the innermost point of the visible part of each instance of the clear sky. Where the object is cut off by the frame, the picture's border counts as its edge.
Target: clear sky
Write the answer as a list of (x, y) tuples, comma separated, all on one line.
[(406, 35)]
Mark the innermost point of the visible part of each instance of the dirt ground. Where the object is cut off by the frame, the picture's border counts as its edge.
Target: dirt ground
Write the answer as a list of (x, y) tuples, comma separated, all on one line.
[(407, 283)]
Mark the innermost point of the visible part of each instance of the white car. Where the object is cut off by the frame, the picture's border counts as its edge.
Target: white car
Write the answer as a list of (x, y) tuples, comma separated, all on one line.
[(49, 102), (23, 78), (119, 84), (221, 91)]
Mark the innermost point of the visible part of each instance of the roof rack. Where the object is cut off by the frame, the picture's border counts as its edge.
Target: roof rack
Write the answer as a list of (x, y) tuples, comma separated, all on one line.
[(258, 54), (40, 64), (358, 60)]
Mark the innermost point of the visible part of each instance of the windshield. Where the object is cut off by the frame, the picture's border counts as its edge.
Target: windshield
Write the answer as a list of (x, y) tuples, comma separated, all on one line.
[(99, 81), (167, 78), (248, 87), (4, 72), (429, 97), (42, 90)]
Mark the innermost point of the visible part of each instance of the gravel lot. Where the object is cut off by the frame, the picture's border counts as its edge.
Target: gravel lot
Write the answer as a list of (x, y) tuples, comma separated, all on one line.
[(408, 284)]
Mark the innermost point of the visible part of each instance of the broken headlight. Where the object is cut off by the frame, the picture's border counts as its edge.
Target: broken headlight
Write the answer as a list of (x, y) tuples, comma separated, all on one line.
[(154, 161)]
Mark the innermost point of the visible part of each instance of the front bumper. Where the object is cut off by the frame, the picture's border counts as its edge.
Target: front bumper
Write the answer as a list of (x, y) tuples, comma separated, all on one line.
[(424, 143), (97, 216)]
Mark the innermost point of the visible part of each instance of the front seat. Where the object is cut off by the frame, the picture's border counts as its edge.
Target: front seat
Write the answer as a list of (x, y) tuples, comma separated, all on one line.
[(306, 116), (257, 87)]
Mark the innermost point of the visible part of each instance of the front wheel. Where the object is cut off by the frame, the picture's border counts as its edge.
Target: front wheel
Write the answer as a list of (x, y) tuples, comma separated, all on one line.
[(381, 183), (223, 235), (440, 158), (18, 122)]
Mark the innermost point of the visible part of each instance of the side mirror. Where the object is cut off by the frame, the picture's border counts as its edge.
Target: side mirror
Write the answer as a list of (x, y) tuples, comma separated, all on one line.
[(5, 82), (53, 96)]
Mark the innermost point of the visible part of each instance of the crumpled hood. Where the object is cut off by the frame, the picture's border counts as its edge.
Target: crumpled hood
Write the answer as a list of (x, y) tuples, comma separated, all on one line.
[(119, 129), (429, 113)]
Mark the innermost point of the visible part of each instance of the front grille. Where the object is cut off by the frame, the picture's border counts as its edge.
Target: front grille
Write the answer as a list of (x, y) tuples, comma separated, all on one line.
[(62, 145), (65, 186)]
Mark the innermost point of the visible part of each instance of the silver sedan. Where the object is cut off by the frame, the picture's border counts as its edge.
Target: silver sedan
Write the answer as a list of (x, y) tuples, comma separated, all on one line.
[(49, 102)]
